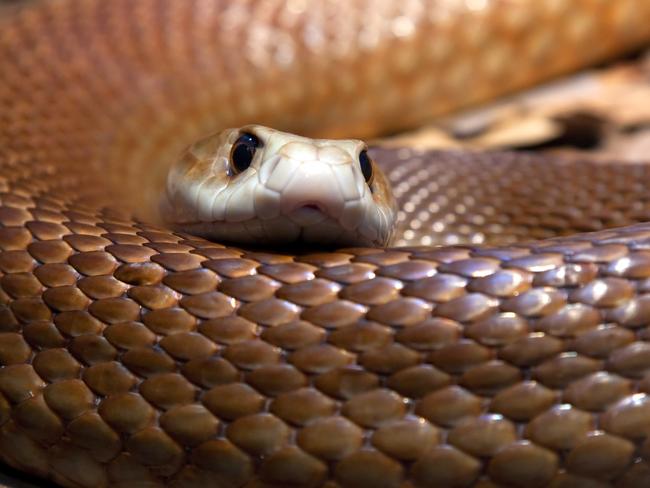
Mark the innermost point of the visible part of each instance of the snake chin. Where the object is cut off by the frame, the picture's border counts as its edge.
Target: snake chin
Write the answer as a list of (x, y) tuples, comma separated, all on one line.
[(315, 229)]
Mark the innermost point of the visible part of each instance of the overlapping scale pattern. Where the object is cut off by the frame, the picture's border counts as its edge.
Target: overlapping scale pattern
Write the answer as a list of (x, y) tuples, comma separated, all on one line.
[(133, 356)]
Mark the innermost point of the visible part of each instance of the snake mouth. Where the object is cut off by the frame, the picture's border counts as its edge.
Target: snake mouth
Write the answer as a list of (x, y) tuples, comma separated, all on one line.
[(312, 206), (296, 205), (308, 214)]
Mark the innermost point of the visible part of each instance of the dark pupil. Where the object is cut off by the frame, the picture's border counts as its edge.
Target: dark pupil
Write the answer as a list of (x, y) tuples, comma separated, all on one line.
[(366, 165), (243, 151)]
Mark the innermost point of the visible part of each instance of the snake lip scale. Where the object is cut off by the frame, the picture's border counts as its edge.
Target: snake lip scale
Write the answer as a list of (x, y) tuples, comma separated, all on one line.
[(503, 341)]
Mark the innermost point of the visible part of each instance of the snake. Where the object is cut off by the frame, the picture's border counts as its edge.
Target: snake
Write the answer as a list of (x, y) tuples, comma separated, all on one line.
[(256, 184), (501, 341)]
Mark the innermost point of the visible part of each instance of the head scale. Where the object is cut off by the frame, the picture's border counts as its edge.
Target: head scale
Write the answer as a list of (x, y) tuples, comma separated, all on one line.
[(259, 185)]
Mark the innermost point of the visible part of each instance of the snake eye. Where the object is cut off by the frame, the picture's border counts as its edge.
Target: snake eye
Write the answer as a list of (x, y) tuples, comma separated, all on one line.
[(242, 152), (366, 166)]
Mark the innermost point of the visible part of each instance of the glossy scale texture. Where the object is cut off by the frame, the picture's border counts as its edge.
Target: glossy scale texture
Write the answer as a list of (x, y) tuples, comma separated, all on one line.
[(133, 356)]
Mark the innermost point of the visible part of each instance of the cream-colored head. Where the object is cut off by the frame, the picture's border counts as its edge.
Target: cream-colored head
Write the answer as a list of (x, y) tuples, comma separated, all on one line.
[(259, 185)]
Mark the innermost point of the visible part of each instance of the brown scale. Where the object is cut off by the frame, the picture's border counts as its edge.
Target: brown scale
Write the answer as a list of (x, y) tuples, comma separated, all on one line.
[(131, 353), (133, 356)]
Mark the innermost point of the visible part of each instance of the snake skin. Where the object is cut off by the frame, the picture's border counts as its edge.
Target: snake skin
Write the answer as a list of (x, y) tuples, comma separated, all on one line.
[(136, 357)]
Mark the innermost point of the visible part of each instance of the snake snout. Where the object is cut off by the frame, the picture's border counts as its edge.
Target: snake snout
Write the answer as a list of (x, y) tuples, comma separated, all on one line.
[(312, 190)]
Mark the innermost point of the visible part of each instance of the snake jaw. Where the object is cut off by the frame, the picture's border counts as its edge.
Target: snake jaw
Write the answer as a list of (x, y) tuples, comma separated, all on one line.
[(295, 189)]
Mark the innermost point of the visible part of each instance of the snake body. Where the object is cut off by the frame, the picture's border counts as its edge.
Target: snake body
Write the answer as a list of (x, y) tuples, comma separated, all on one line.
[(136, 356)]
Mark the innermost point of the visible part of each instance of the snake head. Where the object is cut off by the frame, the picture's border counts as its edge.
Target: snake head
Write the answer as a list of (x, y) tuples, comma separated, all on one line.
[(260, 185)]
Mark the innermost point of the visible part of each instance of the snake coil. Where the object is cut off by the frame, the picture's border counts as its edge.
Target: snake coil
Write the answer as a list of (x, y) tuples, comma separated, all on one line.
[(135, 356)]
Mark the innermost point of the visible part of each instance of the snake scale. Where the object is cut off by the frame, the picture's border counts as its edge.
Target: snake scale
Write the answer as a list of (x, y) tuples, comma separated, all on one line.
[(133, 356)]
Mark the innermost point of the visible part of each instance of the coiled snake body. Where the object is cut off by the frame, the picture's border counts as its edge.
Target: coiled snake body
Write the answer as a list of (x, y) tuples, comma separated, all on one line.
[(134, 356)]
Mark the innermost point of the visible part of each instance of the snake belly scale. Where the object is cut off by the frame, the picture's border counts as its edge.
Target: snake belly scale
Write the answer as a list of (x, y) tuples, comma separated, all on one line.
[(133, 355)]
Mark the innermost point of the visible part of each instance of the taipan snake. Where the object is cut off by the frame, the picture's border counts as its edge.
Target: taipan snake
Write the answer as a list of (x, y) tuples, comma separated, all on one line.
[(133, 355), (259, 185)]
